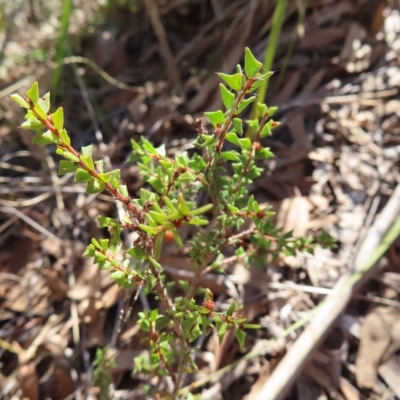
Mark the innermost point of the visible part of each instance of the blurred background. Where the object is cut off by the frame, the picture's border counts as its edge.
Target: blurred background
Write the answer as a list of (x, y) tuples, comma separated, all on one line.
[(126, 68)]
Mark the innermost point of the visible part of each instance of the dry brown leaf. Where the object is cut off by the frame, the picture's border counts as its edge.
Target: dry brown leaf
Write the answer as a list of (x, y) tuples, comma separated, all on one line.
[(55, 283), (390, 372), (294, 215), (348, 390), (376, 336), (28, 380)]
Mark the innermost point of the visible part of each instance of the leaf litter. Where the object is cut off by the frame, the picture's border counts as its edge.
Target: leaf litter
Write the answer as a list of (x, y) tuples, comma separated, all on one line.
[(336, 165)]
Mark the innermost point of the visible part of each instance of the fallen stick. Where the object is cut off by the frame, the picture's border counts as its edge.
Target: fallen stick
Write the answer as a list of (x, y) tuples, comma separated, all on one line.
[(373, 247)]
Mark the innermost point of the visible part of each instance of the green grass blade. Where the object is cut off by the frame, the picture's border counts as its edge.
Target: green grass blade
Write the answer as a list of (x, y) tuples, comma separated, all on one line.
[(61, 45), (298, 33), (277, 22)]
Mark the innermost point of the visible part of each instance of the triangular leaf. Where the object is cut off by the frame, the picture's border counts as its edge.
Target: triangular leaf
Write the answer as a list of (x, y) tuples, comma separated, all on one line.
[(95, 186), (58, 118), (234, 81), (251, 64), (66, 167), (217, 118), (241, 337), (232, 137), (19, 100), (82, 175), (33, 93), (227, 96)]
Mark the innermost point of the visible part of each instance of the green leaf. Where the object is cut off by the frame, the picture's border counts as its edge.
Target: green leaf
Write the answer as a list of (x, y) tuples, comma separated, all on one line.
[(177, 238), (232, 137), (44, 103), (169, 204), (198, 221), (40, 140), (182, 206), (208, 140), (166, 165), (95, 186), (162, 322), (253, 125), (66, 167), (153, 315), (267, 75), (89, 252), (217, 118), (65, 137), (254, 172), (251, 64), (119, 277), (234, 81), (157, 184), (115, 176), (82, 175), (87, 160), (146, 196), (100, 166), (202, 210), (105, 177), (124, 190), (262, 109), (227, 96), (58, 118), (135, 145), (230, 155), (49, 135), (245, 143), (186, 177), (38, 110), (272, 111), (207, 325), (264, 153), (20, 101), (238, 125), (231, 308), (266, 130), (87, 151), (208, 295), (33, 124), (161, 218), (251, 326), (245, 103), (149, 229), (104, 244), (222, 329), (241, 337), (158, 245), (107, 221), (148, 146), (255, 85), (154, 262), (67, 154), (150, 220), (33, 93), (137, 253), (95, 243)]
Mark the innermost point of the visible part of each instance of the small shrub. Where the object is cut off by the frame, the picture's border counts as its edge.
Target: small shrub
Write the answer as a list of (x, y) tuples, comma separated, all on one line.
[(223, 168)]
